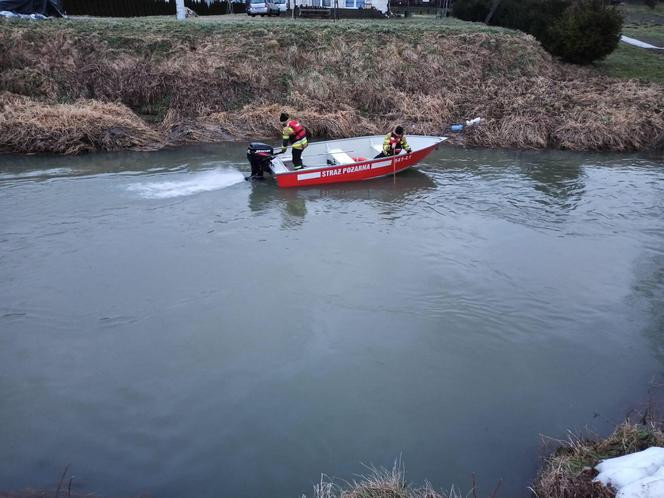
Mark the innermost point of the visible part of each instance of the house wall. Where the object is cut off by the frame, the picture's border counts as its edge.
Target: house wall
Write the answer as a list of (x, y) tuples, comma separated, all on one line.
[(380, 5)]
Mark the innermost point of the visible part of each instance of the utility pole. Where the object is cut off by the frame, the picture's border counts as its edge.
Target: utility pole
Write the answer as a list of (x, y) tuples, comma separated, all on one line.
[(179, 8)]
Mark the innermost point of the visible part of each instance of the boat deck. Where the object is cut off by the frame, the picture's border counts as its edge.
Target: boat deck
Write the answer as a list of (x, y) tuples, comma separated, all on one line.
[(331, 153)]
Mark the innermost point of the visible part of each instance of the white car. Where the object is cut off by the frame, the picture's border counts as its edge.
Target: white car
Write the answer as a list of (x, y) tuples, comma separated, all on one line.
[(256, 7), (277, 6), (266, 7)]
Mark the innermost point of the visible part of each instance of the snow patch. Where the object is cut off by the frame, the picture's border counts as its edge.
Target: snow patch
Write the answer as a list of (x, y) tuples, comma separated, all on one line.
[(638, 475), (638, 43)]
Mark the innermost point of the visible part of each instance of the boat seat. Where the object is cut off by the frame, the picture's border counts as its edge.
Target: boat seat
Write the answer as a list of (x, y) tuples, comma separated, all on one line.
[(341, 157)]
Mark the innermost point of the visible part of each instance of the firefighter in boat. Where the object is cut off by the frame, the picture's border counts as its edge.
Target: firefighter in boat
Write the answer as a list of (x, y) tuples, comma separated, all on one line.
[(296, 134), (394, 143)]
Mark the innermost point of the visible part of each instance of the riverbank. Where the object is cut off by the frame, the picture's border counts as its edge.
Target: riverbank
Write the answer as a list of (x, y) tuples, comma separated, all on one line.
[(568, 472), (80, 85)]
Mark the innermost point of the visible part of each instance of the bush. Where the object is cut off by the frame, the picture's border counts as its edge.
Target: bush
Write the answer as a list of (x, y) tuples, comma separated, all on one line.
[(586, 31), (530, 16), (471, 10), (579, 31)]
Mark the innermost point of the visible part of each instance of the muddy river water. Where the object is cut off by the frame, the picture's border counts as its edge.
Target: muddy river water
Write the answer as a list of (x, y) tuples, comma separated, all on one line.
[(169, 328)]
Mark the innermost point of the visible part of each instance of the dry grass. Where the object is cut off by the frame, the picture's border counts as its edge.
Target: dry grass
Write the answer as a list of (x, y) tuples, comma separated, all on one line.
[(576, 113), (379, 483), (30, 126), (568, 473), (50, 493), (199, 82)]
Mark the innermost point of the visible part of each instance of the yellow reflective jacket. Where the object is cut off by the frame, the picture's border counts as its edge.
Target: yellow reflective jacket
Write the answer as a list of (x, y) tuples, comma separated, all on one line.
[(393, 144)]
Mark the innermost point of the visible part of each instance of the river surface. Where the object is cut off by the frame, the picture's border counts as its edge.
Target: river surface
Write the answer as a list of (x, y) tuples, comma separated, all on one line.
[(169, 328)]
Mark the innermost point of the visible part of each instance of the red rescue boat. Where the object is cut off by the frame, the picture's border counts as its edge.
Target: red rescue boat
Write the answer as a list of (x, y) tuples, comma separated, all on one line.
[(335, 161)]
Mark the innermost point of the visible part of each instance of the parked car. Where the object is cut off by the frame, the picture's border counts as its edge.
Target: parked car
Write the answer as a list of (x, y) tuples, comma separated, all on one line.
[(266, 7), (256, 7), (277, 6)]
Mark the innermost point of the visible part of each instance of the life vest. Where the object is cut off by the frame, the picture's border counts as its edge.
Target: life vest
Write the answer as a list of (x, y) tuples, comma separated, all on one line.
[(395, 143), (298, 130), (392, 144)]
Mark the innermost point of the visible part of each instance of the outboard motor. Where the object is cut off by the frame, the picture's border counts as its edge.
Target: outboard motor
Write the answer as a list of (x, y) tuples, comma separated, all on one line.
[(260, 157)]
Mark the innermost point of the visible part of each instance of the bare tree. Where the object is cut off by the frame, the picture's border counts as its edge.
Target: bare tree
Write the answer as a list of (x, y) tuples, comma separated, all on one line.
[(492, 11)]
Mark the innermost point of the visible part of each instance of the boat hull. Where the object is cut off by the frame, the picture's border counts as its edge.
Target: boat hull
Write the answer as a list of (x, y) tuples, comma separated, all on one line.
[(359, 171)]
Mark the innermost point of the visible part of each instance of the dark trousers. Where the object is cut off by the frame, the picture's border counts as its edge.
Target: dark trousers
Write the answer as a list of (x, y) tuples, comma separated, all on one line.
[(297, 158), (382, 154)]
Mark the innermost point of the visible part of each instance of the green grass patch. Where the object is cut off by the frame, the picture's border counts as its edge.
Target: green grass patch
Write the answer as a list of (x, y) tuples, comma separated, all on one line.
[(634, 62), (640, 13), (649, 33)]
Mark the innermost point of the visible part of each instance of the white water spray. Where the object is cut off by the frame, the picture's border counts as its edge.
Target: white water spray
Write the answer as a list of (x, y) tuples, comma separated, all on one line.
[(195, 183)]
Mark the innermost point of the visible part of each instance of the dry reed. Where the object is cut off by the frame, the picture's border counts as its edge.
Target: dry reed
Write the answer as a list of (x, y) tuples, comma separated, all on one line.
[(379, 482), (30, 126), (341, 81)]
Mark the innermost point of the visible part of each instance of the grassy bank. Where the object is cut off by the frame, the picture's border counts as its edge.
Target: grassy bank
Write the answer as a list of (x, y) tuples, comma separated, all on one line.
[(80, 85), (569, 471), (639, 13), (629, 62)]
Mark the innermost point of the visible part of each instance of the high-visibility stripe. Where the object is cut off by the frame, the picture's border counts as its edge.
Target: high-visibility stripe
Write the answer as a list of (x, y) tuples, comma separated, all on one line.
[(381, 164), (301, 144), (308, 176)]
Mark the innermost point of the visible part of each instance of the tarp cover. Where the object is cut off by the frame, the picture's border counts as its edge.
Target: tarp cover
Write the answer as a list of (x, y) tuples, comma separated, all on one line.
[(44, 7)]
